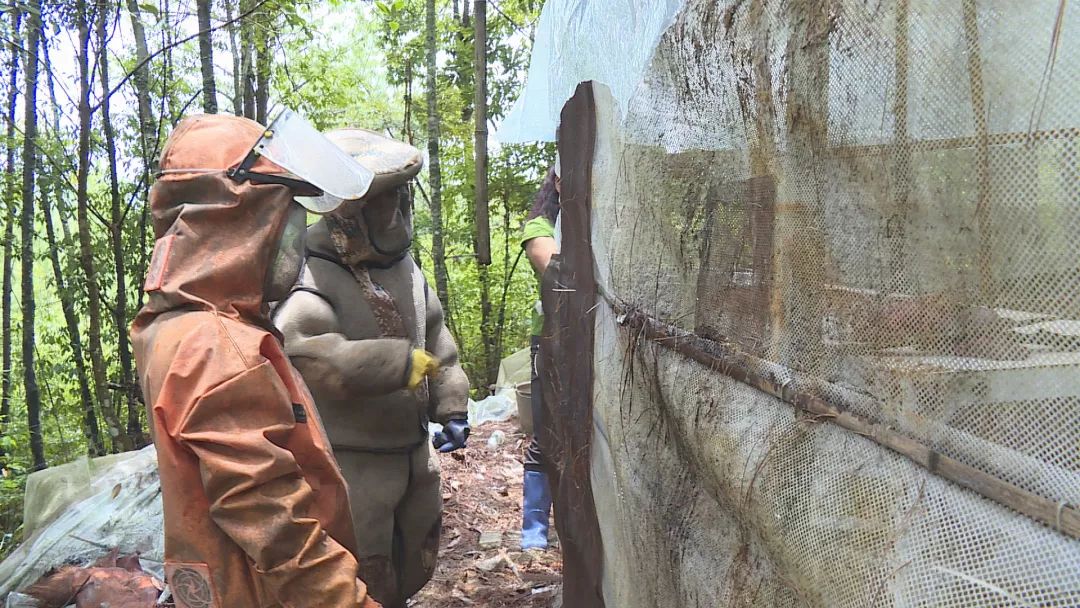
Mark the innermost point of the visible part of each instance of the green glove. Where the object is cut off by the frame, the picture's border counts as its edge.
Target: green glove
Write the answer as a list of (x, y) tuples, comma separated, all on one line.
[(422, 364)]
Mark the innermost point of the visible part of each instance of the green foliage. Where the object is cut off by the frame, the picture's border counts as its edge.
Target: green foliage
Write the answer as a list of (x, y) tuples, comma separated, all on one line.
[(514, 172), (338, 78), (340, 63)]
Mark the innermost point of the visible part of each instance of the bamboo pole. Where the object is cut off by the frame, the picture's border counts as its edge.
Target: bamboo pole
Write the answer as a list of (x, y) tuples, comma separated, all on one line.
[(480, 111)]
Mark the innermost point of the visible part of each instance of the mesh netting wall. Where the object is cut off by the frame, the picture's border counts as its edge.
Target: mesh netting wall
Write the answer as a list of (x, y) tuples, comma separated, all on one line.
[(882, 197)]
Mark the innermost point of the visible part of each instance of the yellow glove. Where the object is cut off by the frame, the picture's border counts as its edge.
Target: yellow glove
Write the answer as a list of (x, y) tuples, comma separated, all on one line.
[(422, 364)]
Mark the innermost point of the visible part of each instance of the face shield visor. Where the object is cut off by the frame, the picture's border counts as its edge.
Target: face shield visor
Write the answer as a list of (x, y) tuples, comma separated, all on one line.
[(322, 172)]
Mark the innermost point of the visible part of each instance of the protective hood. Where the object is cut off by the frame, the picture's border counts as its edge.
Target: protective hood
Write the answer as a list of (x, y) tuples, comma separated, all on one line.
[(375, 230), (216, 237)]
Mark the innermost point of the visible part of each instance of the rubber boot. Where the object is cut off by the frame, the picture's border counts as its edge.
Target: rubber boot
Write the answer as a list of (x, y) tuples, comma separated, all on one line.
[(535, 511)]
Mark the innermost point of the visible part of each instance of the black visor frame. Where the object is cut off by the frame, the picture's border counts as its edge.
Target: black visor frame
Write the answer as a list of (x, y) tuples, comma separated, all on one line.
[(244, 173)]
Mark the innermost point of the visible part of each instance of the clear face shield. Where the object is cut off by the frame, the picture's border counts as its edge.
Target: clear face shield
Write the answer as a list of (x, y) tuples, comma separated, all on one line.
[(320, 170)]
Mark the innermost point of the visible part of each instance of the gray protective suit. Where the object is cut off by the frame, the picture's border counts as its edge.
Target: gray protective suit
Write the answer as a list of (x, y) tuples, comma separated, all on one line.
[(360, 308)]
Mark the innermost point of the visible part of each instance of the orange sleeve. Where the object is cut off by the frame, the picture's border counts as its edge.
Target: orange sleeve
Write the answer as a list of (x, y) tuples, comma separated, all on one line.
[(258, 495)]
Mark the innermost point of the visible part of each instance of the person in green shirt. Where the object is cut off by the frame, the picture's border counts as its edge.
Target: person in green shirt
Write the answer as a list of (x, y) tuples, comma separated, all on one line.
[(540, 243)]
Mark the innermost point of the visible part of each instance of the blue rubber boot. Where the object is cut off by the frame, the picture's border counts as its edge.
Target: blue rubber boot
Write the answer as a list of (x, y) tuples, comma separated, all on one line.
[(537, 506)]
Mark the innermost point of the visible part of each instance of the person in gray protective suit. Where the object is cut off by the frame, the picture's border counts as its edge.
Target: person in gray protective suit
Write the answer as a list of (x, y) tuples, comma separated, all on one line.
[(367, 334)]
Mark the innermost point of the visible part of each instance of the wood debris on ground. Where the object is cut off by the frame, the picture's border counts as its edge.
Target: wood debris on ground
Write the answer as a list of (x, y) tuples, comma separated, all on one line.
[(480, 561)]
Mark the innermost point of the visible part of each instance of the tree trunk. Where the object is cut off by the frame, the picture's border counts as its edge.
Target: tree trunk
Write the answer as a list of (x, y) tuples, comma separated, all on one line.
[(10, 215), (148, 130), (234, 50), (407, 119), (86, 250), (508, 275), (116, 234), (247, 62), (144, 248), (487, 332), (141, 80), (91, 431), (483, 227), (169, 103), (263, 61), (438, 247), (29, 156), (206, 56)]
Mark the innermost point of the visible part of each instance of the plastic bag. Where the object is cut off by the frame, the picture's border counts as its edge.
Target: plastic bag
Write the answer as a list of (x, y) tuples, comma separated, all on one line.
[(496, 408)]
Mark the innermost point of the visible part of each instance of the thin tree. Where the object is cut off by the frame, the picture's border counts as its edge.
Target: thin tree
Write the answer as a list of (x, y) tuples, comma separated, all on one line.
[(116, 236), (234, 50), (407, 128), (206, 56), (438, 247), (508, 272), (91, 431), (29, 156), (148, 131), (482, 228), (263, 63), (86, 249), (247, 62), (141, 81), (11, 215)]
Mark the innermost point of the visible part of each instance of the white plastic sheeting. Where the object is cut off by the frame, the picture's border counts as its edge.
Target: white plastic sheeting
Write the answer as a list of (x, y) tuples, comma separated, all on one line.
[(514, 369), (610, 42), (123, 511)]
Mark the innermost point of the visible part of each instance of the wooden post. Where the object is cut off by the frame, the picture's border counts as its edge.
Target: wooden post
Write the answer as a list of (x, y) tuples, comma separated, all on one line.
[(483, 228)]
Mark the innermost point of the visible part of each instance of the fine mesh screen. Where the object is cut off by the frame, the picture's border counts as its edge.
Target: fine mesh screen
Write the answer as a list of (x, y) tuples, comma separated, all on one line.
[(880, 197)]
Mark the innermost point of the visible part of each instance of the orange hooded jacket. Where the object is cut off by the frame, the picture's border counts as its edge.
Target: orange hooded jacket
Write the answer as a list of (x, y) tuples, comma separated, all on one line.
[(256, 510)]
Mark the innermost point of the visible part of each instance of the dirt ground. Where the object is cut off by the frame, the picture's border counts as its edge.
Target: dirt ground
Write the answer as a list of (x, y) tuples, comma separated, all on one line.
[(482, 498)]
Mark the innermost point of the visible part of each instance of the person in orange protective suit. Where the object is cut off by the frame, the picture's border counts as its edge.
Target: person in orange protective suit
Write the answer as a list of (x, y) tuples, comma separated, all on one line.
[(256, 509)]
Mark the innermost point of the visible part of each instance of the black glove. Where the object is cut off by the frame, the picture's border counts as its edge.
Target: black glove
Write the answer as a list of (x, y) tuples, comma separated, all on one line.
[(452, 437)]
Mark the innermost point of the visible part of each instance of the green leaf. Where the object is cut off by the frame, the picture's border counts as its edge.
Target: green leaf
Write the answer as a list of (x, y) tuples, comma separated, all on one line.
[(394, 26), (149, 8), (383, 7), (399, 5)]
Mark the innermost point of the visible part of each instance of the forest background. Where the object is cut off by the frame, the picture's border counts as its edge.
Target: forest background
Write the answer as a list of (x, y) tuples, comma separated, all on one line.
[(91, 90)]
